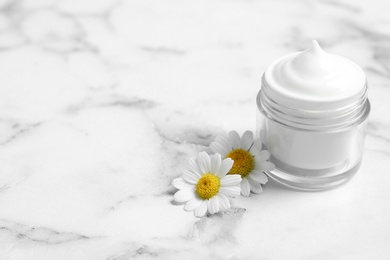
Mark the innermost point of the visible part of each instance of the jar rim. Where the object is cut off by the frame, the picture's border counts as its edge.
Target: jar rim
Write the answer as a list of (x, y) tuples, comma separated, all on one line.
[(336, 119)]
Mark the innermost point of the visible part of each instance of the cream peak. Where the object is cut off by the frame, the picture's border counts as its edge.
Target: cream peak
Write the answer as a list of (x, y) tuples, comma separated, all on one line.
[(313, 76)]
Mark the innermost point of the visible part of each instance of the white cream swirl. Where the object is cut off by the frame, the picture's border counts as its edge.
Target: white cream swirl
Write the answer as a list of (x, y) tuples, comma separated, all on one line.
[(313, 79)]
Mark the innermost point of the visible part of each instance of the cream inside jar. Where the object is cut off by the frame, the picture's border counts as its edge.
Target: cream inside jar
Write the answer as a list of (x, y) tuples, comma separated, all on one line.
[(313, 109)]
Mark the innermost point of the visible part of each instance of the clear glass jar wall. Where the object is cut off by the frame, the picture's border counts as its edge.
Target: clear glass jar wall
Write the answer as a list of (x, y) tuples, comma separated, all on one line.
[(313, 159)]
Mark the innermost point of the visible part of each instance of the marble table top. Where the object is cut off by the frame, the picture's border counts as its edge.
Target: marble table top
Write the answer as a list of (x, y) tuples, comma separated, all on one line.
[(103, 102)]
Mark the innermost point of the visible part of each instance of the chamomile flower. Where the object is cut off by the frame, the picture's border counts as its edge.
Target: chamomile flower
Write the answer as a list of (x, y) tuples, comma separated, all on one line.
[(250, 162), (205, 186)]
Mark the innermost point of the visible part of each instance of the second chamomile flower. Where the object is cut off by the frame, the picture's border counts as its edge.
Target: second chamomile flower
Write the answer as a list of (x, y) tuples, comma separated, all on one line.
[(250, 162)]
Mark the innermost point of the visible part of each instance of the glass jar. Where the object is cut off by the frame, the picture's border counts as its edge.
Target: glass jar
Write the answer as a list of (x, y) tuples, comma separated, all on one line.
[(313, 147)]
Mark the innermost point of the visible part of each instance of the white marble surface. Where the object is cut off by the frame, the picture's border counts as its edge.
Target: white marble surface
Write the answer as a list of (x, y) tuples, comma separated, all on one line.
[(102, 103)]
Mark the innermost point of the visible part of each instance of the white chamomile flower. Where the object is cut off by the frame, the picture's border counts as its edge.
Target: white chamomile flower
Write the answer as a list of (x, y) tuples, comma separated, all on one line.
[(250, 162), (205, 186)]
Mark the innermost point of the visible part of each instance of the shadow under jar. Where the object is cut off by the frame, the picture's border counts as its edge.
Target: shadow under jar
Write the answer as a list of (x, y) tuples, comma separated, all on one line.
[(312, 115)]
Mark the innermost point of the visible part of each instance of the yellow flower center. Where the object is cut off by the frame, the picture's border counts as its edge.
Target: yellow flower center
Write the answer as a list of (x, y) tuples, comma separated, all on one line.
[(208, 186), (243, 162)]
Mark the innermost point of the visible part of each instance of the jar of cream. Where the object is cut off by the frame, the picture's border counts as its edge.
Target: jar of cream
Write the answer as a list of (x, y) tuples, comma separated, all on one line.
[(312, 114)]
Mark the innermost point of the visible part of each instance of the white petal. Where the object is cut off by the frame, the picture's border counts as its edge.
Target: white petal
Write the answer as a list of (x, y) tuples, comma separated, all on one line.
[(233, 191), (269, 166), (204, 162), (259, 166), (247, 140), (190, 177), (194, 166), (230, 180), (262, 155), (254, 185), (264, 166), (218, 148), (213, 205), (221, 146), (256, 147), (259, 177), (224, 203), (245, 188), (234, 139), (225, 167), (215, 161), (179, 183), (192, 204), (224, 140), (184, 195), (201, 210)]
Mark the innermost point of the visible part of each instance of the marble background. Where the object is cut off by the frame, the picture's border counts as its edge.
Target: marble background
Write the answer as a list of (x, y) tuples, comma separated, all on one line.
[(102, 103)]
